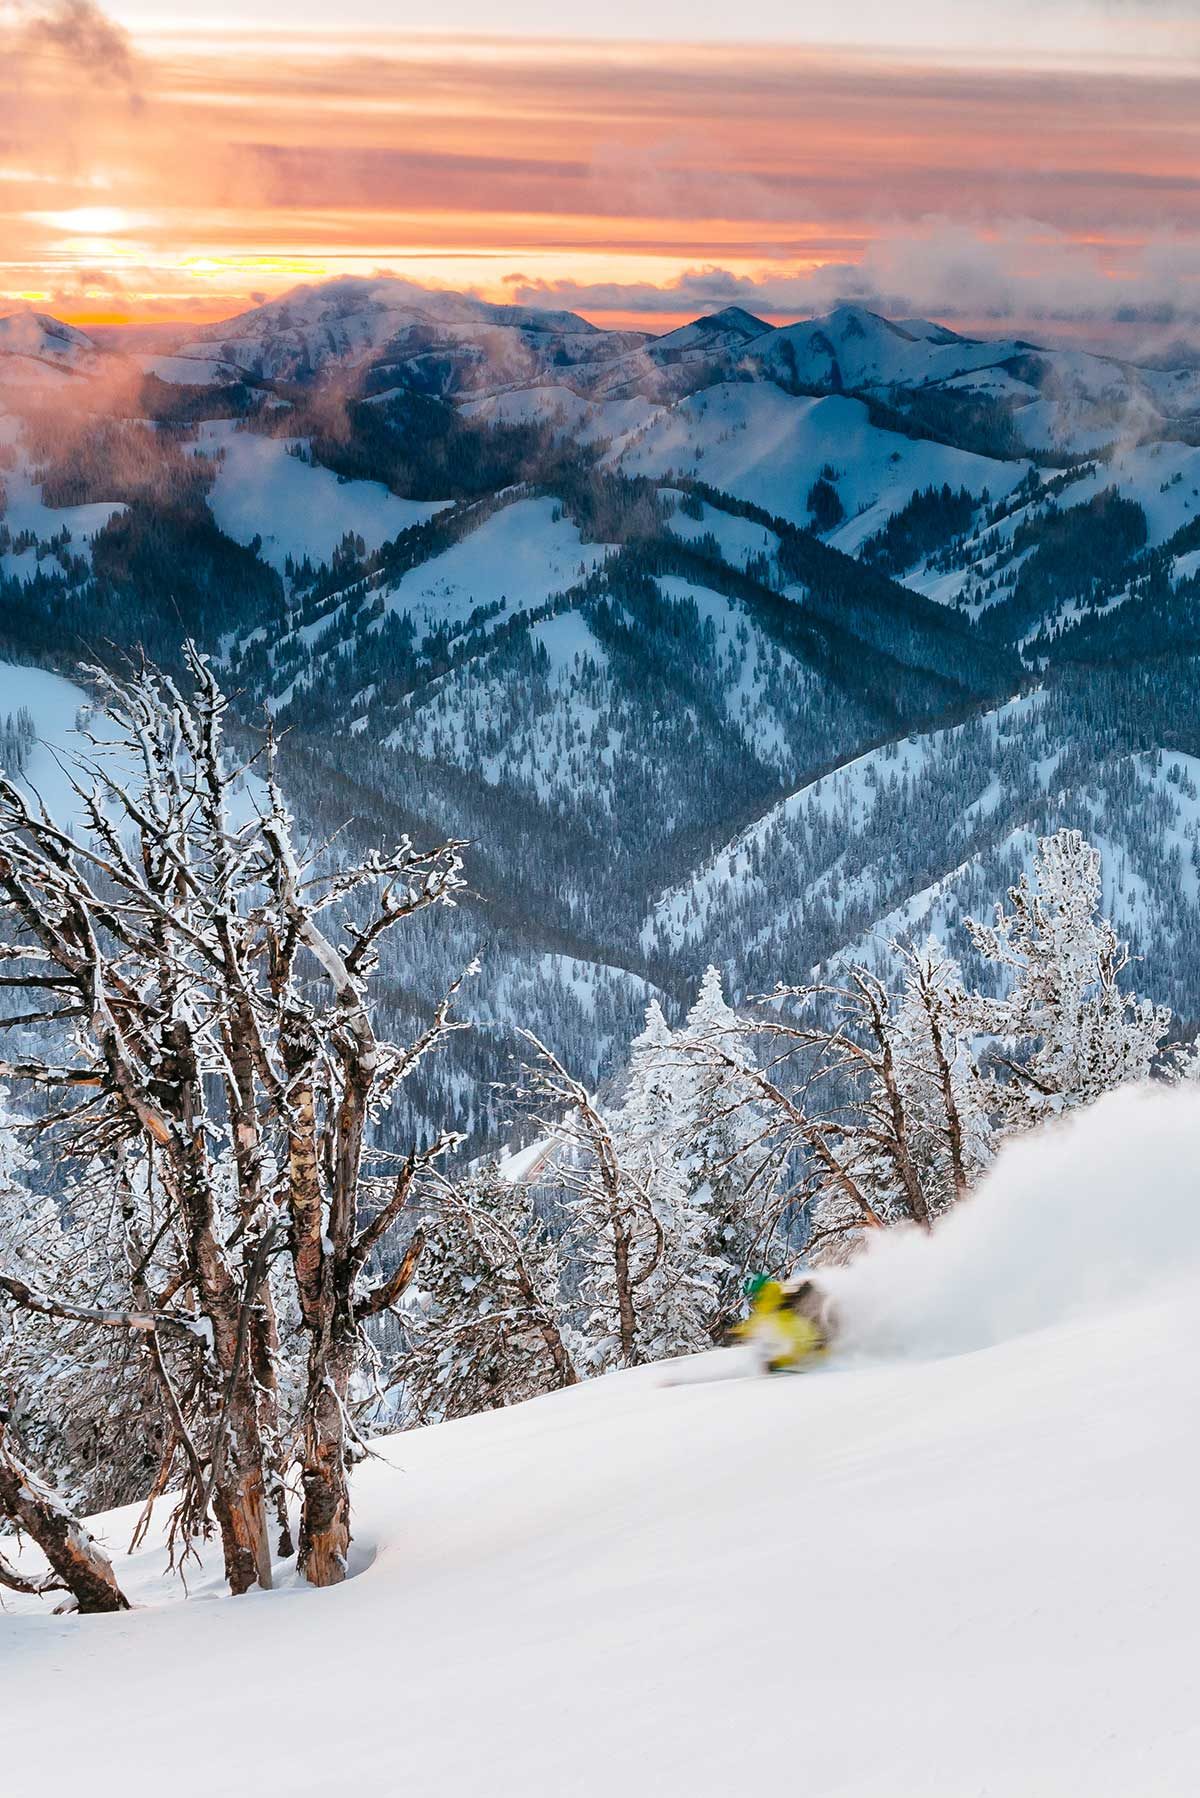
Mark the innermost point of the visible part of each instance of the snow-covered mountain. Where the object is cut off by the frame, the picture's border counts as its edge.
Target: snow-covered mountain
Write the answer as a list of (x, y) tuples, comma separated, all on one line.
[(414, 337), (828, 872), (717, 334), (851, 348), (384, 335), (761, 444), (36, 349), (708, 642)]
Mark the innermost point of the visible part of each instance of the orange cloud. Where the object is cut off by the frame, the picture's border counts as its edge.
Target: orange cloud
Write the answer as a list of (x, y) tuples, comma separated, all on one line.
[(204, 168)]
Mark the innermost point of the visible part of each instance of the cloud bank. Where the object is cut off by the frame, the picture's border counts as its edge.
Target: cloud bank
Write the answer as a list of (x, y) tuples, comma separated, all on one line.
[(627, 180)]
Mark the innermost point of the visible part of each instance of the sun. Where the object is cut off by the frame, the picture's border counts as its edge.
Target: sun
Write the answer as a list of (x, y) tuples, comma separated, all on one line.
[(90, 221)]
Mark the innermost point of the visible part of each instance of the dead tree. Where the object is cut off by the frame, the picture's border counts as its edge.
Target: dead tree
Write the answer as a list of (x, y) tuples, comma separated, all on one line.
[(78, 1564), (866, 1092), (616, 1234), (215, 985)]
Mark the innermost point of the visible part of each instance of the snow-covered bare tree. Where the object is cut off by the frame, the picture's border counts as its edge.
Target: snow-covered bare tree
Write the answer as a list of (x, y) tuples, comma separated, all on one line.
[(615, 1239), (485, 1317), (866, 1103), (84, 1397), (1066, 1030), (949, 1130), (214, 985), (31, 1252), (77, 1563)]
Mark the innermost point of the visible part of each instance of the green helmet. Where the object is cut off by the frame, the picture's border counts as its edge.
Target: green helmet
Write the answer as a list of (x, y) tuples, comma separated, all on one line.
[(754, 1285)]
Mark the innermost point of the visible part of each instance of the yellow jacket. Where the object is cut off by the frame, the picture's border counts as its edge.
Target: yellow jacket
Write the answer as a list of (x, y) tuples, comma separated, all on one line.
[(782, 1336)]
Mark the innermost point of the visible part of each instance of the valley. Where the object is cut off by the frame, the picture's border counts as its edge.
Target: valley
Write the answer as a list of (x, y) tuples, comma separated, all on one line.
[(736, 644)]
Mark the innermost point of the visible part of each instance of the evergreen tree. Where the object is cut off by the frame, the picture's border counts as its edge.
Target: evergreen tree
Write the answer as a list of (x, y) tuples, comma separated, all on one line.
[(485, 1315), (683, 1295), (722, 1124), (1067, 1030)]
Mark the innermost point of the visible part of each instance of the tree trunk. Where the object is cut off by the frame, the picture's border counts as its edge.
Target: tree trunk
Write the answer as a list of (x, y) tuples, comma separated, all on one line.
[(240, 1505), (547, 1324), (626, 1317), (954, 1130), (914, 1196), (264, 1364), (239, 1492), (325, 1514), (76, 1558), (237, 1478)]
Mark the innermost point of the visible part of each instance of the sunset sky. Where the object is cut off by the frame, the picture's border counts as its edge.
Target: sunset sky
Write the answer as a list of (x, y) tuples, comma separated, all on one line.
[(1032, 164)]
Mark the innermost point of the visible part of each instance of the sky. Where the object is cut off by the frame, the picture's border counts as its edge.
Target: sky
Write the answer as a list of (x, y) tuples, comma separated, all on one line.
[(1031, 164)]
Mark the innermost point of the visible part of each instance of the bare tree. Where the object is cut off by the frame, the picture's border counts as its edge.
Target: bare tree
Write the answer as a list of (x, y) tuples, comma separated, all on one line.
[(835, 1087), (77, 1563), (616, 1233), (214, 982)]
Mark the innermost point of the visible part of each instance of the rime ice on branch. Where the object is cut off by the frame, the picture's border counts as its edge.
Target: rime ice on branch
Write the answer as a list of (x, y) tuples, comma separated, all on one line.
[(223, 1071)]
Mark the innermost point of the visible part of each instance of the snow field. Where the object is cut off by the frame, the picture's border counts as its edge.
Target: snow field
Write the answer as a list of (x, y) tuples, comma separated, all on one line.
[(297, 508), (769, 447), (521, 555), (1073, 1222), (956, 1561), (23, 510)]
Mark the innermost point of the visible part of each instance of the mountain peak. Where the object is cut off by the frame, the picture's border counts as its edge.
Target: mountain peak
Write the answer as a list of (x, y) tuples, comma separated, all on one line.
[(735, 318), (30, 333), (851, 320)]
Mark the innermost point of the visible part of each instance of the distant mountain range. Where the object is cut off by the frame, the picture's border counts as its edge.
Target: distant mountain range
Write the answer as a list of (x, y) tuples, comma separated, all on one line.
[(388, 335), (739, 643)]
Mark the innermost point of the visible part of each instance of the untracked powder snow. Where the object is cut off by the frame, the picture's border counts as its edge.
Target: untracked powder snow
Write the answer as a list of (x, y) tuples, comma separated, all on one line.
[(957, 1560)]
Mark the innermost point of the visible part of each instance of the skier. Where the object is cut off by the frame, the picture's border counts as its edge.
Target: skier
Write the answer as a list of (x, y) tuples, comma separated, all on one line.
[(790, 1322)]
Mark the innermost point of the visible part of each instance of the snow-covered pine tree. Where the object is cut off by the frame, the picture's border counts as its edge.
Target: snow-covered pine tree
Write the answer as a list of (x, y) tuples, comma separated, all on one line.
[(722, 1125), (1066, 1030), (484, 1314), (681, 1302)]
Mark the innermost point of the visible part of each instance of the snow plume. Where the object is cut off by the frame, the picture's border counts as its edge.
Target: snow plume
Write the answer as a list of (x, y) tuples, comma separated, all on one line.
[(1074, 1219)]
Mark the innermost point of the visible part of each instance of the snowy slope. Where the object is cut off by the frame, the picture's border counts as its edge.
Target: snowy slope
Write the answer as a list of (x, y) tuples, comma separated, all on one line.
[(35, 349), (23, 512), (1163, 478), (1084, 401), (580, 420), (297, 509), (55, 705), (852, 347), (769, 447), (739, 540), (913, 837), (190, 368), (516, 559), (958, 1560)]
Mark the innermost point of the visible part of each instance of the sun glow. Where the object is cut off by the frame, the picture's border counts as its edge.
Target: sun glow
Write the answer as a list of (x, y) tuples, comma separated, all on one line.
[(630, 181), (90, 221)]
